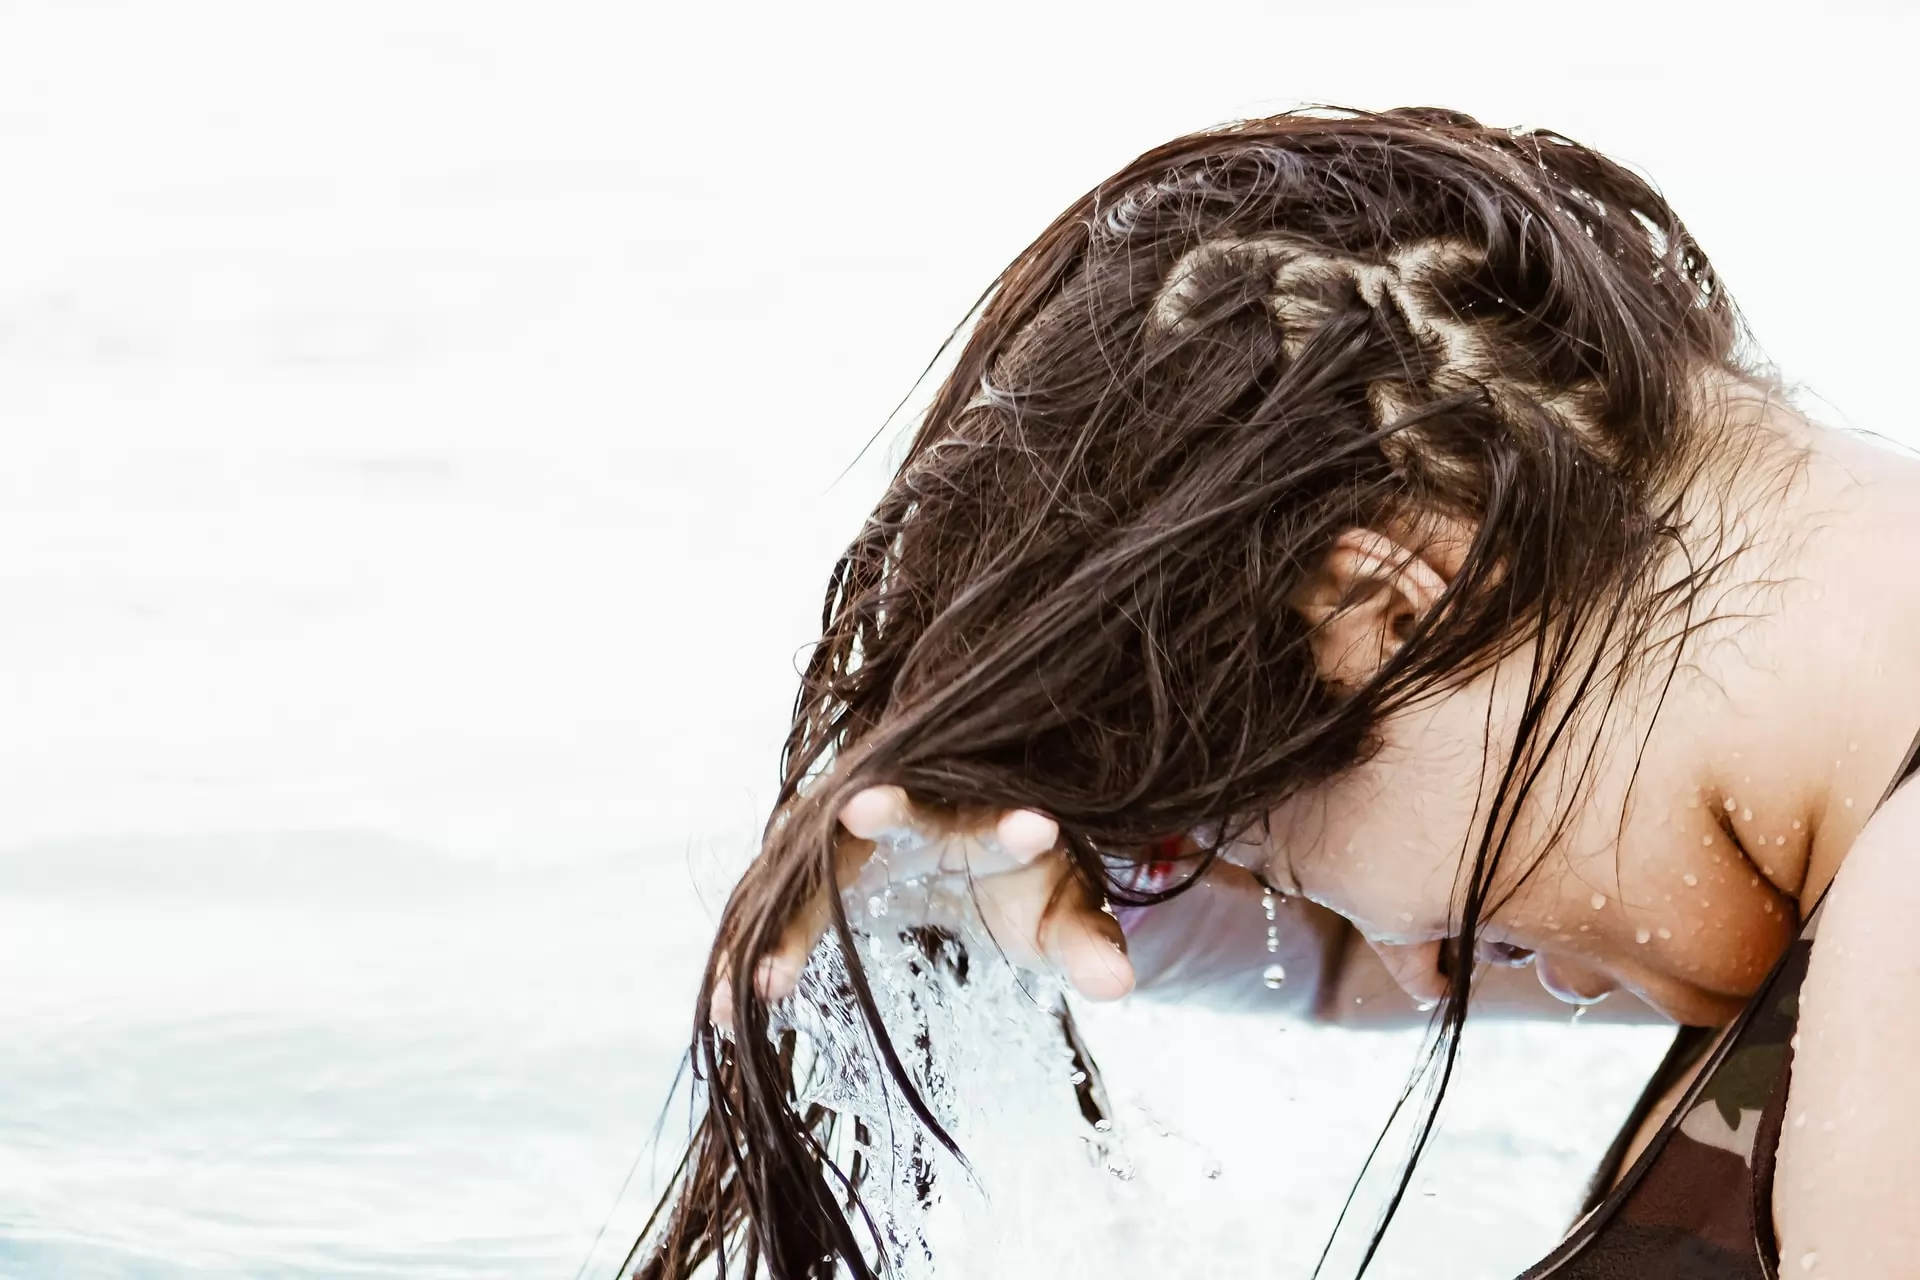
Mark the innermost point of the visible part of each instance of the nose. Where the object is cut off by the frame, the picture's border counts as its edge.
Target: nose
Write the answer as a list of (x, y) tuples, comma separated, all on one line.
[(1416, 967)]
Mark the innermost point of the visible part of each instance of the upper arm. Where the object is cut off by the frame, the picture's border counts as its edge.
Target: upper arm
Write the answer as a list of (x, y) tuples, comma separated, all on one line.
[(1847, 1191)]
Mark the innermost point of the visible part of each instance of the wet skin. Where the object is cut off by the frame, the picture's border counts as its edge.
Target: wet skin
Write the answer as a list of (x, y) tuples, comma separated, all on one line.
[(1694, 845)]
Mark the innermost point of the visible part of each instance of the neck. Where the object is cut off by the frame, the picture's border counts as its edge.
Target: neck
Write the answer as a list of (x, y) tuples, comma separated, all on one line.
[(1803, 691)]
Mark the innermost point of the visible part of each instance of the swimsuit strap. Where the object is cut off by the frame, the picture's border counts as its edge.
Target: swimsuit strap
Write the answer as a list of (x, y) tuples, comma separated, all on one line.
[(1697, 1204)]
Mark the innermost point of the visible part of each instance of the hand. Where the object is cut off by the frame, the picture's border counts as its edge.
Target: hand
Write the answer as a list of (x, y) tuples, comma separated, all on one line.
[(1016, 867)]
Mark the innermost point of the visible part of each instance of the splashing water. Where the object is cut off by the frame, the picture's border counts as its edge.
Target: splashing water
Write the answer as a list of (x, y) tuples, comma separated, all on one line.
[(1059, 1179), (993, 1052)]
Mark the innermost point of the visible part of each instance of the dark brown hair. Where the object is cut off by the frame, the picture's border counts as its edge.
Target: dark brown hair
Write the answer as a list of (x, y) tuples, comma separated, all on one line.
[(1073, 596)]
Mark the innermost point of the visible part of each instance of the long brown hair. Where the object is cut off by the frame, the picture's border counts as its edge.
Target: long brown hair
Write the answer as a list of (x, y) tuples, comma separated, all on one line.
[(1073, 596)]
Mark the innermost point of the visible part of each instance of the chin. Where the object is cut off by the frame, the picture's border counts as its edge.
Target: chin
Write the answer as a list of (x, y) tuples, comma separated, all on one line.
[(1686, 1004), (1695, 1008)]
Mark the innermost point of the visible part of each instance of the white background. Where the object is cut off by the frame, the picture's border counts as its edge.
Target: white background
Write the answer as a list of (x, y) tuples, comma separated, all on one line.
[(426, 426)]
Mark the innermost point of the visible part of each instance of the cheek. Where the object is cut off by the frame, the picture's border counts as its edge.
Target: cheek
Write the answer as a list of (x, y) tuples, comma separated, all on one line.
[(1365, 848)]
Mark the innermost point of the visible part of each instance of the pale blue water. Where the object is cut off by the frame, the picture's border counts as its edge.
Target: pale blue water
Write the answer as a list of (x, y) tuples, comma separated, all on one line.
[(346, 1060), (324, 1055)]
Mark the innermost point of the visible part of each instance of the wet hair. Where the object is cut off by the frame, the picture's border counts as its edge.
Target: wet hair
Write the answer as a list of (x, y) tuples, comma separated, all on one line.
[(1073, 596)]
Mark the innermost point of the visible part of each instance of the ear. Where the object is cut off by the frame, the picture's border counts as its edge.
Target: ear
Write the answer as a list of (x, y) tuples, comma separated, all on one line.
[(1363, 601)]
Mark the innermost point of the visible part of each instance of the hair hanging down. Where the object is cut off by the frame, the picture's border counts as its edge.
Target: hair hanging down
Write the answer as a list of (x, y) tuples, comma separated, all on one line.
[(1073, 596)]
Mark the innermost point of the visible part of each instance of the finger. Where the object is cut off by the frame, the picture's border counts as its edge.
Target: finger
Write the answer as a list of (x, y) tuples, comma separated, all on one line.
[(1069, 937), (875, 813), (1025, 834), (778, 972), (720, 1004), (1086, 946)]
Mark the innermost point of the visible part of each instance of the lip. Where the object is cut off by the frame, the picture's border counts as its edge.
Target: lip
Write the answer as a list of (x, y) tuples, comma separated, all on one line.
[(1502, 953), (1486, 951)]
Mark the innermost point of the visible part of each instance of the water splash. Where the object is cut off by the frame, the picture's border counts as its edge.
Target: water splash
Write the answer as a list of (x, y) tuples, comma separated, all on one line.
[(994, 1054)]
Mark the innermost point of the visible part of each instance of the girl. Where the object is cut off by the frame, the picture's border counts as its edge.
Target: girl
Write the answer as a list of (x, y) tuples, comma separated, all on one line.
[(1390, 506)]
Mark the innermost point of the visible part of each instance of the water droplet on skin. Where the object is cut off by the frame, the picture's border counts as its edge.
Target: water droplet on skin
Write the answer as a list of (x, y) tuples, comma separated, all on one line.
[(1800, 1121), (1796, 824), (1706, 840), (1690, 879), (1848, 802), (1731, 804), (1276, 977), (1598, 901), (1425, 1006), (1746, 815), (1586, 928), (1780, 841), (1407, 917), (1643, 936), (1666, 933), (1707, 902), (1563, 937)]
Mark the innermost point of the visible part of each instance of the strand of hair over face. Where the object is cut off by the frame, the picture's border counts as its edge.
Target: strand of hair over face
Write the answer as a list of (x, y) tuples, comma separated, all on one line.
[(1075, 596)]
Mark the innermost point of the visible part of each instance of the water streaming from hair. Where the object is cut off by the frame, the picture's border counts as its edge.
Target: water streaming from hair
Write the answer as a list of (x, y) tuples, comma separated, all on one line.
[(1077, 594)]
